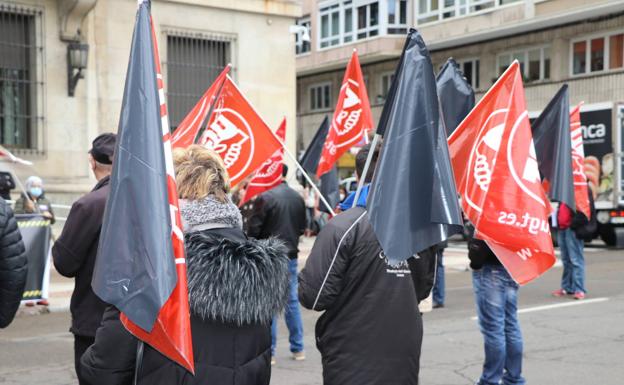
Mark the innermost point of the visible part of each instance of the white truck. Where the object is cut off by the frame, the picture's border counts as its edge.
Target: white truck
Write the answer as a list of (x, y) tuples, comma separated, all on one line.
[(603, 141)]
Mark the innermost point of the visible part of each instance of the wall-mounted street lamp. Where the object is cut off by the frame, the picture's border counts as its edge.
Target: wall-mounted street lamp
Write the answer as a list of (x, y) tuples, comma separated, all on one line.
[(77, 56)]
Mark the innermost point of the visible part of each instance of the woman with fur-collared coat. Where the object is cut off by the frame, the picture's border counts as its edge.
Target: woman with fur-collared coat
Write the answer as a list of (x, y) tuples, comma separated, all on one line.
[(236, 285)]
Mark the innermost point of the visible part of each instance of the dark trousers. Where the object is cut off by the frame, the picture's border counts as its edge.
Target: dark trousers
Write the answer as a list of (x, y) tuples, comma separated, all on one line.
[(81, 343)]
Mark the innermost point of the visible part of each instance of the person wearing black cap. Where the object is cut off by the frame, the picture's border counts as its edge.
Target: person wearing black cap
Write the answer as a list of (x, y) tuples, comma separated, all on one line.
[(74, 252)]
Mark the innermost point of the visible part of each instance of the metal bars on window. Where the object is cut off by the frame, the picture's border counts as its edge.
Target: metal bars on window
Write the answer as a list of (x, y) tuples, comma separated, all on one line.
[(21, 85), (193, 62)]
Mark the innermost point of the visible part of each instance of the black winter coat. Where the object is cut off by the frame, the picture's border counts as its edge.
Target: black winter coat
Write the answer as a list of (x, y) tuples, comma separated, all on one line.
[(236, 286), (74, 255), (279, 212), (13, 265), (584, 228), (371, 330)]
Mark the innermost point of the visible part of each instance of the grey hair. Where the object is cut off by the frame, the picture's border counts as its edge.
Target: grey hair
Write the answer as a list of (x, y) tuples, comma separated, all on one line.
[(32, 180)]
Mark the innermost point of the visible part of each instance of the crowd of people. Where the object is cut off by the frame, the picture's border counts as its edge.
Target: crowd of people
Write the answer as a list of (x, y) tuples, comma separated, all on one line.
[(243, 273)]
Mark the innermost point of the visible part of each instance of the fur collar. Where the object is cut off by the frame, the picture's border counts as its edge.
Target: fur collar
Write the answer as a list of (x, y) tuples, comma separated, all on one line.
[(209, 211), (235, 281)]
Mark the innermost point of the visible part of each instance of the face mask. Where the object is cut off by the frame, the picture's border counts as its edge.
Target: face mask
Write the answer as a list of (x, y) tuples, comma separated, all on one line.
[(36, 191)]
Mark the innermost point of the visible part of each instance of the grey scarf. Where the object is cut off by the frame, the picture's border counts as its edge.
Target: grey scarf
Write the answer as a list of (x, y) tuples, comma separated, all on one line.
[(209, 211)]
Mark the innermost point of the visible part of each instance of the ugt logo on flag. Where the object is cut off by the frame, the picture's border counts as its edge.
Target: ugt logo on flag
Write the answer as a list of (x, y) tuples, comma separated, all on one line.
[(229, 136), (497, 174), (351, 120)]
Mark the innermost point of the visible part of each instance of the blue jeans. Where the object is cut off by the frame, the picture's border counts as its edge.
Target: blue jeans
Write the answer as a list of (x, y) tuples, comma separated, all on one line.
[(292, 315), (438, 287), (496, 295), (573, 278)]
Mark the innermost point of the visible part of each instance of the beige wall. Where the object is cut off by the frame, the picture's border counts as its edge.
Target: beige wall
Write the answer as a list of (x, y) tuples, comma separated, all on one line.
[(264, 61)]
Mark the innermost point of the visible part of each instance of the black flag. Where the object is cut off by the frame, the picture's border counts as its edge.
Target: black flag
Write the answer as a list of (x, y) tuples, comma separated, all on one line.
[(553, 147), (456, 95), (135, 268), (310, 158), (413, 200), (330, 189)]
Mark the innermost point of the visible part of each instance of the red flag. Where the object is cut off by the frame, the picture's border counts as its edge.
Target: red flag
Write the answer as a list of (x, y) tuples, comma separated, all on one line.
[(581, 197), (188, 128), (171, 334), (497, 176), (234, 130), (269, 174), (352, 118)]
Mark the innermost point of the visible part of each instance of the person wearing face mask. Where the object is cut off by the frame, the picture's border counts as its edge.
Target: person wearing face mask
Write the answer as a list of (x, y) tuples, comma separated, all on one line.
[(75, 251), (34, 201)]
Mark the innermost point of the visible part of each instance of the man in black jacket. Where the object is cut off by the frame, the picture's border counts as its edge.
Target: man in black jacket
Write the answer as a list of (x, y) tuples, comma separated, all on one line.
[(75, 250), (280, 213), (13, 265), (371, 330)]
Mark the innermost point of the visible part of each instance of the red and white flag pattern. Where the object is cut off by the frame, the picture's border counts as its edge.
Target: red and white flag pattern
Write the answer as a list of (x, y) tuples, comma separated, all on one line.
[(497, 176), (269, 175), (171, 334), (352, 118), (185, 133), (581, 196), (234, 130)]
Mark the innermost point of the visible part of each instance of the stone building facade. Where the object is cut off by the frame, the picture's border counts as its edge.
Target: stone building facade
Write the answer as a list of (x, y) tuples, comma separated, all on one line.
[(40, 122)]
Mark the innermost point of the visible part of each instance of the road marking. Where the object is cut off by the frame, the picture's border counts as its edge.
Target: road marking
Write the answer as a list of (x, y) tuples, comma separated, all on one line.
[(558, 305)]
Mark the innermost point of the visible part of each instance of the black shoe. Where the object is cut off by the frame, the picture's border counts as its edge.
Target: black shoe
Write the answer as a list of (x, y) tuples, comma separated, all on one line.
[(438, 305)]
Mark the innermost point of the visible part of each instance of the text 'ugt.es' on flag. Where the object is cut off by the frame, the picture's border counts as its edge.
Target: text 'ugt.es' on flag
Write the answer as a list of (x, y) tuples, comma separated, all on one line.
[(141, 263), (497, 176), (232, 128), (352, 117), (269, 175)]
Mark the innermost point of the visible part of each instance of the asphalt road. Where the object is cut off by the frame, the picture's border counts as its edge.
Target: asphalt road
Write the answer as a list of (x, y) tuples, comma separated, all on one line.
[(566, 342)]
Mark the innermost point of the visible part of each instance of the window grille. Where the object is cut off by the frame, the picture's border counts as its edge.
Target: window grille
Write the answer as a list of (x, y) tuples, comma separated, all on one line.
[(21, 85), (193, 63)]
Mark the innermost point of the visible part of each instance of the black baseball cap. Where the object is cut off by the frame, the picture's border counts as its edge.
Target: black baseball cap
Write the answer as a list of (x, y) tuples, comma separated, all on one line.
[(104, 148)]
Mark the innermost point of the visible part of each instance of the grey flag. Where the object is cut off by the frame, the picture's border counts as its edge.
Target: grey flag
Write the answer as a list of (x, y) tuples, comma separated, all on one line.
[(456, 95), (413, 203), (135, 268), (553, 147)]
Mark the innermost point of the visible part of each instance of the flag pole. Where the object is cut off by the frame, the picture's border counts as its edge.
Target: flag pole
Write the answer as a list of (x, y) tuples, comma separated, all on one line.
[(362, 177), (212, 106), (305, 175)]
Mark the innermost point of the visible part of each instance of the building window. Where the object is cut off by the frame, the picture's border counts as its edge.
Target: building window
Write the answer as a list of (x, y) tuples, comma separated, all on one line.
[(21, 77), (470, 68), (368, 20), (397, 17), (320, 96), (597, 54), (385, 81), (534, 62), (435, 10), (348, 20), (302, 46), (193, 62)]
